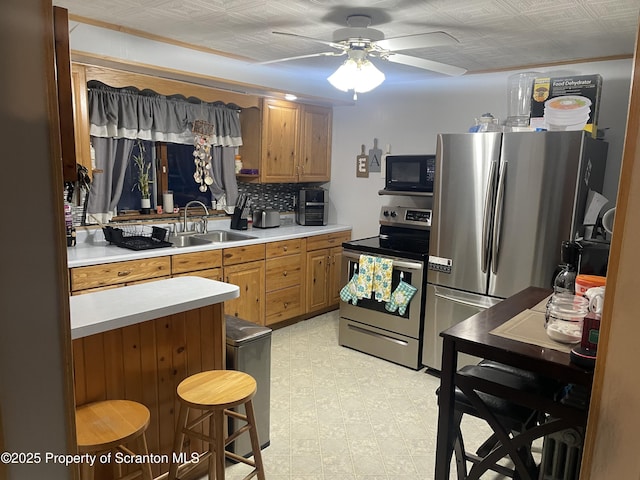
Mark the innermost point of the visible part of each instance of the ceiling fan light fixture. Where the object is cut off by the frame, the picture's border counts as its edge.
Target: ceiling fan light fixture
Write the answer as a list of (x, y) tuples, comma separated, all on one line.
[(357, 75)]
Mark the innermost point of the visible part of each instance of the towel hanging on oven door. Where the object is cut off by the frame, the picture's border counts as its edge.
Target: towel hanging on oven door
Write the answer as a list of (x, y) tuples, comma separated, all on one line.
[(374, 277)]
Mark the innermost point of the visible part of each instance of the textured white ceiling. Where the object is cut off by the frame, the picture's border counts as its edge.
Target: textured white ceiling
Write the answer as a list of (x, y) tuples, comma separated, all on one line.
[(493, 34)]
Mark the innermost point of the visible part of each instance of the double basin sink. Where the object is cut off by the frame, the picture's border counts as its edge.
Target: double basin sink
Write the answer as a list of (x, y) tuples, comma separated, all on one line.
[(214, 236)]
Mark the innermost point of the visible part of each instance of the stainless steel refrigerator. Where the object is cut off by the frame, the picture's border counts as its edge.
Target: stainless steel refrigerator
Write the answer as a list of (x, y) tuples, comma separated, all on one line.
[(502, 205)]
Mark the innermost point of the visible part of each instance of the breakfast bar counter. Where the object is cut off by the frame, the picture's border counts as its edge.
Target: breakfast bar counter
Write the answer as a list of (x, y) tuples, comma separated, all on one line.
[(139, 342)]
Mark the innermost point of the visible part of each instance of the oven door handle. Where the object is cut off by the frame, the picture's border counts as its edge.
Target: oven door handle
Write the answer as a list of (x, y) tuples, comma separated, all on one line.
[(402, 264), (314, 204)]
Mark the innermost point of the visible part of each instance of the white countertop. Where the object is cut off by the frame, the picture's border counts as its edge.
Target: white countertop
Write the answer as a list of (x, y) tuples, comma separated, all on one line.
[(105, 310), (96, 251)]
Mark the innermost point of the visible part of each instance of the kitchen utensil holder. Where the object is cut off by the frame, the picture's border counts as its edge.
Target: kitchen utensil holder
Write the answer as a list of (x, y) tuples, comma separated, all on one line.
[(237, 222)]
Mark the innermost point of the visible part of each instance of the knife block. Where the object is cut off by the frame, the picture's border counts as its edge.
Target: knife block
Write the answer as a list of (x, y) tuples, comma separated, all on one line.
[(237, 222)]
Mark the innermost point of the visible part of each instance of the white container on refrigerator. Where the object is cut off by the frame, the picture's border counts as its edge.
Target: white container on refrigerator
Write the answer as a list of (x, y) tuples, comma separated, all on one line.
[(503, 204)]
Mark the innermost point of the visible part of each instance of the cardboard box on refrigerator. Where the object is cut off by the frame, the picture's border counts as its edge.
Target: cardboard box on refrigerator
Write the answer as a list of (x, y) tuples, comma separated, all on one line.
[(566, 103)]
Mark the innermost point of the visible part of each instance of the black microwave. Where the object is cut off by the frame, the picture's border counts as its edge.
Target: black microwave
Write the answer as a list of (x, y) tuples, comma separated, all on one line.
[(410, 173)]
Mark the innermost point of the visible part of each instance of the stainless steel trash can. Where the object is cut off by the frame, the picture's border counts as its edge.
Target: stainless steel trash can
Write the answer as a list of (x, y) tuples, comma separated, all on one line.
[(249, 351)]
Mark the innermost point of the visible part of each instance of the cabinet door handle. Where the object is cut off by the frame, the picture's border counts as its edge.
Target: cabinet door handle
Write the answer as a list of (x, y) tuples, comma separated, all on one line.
[(286, 304), (124, 274), (284, 273), (285, 248)]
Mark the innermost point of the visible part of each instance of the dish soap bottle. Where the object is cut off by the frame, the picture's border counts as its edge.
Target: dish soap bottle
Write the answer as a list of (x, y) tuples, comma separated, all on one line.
[(565, 281)]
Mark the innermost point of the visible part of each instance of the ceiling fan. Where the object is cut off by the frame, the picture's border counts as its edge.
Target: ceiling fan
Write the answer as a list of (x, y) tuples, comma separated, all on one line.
[(359, 42)]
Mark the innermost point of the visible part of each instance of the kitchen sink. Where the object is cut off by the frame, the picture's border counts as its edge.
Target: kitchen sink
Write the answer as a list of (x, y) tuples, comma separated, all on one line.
[(187, 240), (223, 236), (214, 236)]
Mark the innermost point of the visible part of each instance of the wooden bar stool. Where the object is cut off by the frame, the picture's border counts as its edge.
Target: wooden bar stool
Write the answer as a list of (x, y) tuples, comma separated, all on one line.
[(215, 392), (108, 426)]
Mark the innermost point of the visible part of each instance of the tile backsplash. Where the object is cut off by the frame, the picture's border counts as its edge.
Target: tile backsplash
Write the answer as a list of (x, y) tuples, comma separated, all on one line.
[(278, 196)]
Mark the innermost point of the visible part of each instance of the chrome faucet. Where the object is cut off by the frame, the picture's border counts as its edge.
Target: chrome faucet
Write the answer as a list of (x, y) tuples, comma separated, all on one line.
[(204, 222)]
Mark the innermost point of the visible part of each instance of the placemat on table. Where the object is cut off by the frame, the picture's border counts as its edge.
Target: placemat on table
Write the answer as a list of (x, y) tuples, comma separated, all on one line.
[(542, 306), (528, 327)]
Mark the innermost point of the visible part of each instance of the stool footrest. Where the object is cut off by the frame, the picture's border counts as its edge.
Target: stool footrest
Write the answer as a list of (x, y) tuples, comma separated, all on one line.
[(236, 434), (199, 420), (198, 435)]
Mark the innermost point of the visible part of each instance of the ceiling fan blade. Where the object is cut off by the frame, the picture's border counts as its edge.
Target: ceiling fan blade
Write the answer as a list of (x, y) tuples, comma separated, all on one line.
[(317, 40), (421, 40), (426, 64), (322, 54)]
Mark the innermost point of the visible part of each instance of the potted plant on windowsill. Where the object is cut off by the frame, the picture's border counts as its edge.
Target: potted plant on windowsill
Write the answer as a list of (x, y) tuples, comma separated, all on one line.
[(144, 179)]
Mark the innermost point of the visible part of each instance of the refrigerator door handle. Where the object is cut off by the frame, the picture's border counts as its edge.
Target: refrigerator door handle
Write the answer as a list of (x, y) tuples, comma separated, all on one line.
[(464, 301), (486, 218), (497, 227)]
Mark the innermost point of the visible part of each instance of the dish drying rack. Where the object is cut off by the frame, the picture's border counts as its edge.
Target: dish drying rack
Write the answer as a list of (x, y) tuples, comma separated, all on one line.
[(137, 237)]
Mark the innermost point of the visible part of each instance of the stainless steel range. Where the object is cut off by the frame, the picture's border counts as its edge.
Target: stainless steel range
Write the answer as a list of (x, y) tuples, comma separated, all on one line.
[(368, 326)]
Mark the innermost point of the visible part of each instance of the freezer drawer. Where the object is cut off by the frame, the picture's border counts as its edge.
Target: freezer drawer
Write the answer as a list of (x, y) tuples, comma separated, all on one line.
[(380, 343), (445, 308)]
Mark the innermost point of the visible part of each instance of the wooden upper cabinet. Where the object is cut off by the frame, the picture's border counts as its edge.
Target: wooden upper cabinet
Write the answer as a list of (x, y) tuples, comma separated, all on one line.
[(280, 134), (314, 158), (292, 144)]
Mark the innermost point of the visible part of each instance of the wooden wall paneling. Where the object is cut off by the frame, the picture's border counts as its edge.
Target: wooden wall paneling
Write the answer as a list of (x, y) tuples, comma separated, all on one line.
[(81, 117), (610, 448), (132, 363), (208, 344), (149, 385), (114, 364), (193, 363), (65, 93), (79, 373), (166, 385), (94, 367)]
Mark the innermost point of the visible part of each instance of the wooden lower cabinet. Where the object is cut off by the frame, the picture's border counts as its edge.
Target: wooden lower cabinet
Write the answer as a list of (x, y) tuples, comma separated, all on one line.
[(119, 273), (324, 259), (207, 264), (318, 262), (285, 266), (145, 363), (250, 304)]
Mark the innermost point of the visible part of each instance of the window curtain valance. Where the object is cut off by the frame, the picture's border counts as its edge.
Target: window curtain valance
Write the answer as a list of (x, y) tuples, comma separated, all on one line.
[(144, 114)]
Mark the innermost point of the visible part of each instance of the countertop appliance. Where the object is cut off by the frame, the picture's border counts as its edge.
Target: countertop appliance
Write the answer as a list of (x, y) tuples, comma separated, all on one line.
[(503, 204), (266, 218), (409, 173), (311, 206), (368, 326)]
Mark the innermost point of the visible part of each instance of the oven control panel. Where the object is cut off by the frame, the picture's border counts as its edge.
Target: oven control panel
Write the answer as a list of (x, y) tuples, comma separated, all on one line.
[(408, 217)]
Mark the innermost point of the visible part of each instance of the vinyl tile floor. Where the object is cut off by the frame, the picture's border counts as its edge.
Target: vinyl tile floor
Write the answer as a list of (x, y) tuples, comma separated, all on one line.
[(338, 414)]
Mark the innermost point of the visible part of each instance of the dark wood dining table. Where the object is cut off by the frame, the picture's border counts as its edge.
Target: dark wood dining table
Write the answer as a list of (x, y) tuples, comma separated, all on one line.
[(473, 337)]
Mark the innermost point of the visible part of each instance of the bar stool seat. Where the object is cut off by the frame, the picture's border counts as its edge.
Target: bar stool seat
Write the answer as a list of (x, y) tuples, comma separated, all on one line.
[(110, 425), (215, 392)]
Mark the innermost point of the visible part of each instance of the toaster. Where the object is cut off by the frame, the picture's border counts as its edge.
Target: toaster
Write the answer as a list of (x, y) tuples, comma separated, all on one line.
[(266, 218)]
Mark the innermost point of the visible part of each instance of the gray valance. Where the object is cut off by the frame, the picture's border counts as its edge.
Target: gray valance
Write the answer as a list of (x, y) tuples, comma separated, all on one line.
[(132, 113)]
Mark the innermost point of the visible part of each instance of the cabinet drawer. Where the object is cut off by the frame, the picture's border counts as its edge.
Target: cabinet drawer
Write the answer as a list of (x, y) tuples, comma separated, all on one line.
[(286, 247), (284, 272), (189, 262), (283, 304), (210, 273), (328, 240), (250, 253), (119, 272)]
